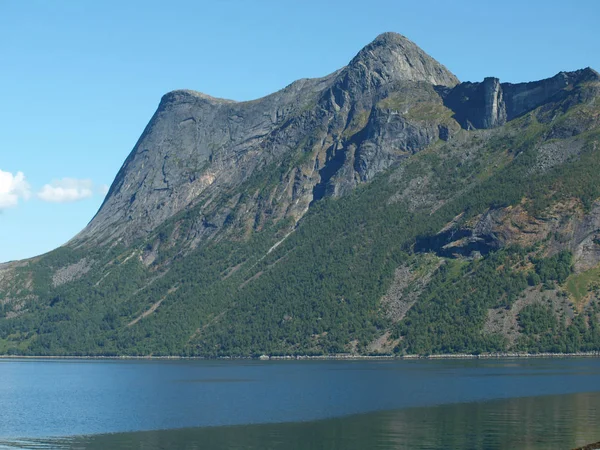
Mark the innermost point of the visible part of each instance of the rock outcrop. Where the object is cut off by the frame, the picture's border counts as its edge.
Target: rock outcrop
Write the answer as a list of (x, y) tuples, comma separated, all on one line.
[(197, 147), (491, 104), (391, 101)]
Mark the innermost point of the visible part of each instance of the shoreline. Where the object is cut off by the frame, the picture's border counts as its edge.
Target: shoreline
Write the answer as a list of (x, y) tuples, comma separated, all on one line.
[(336, 357)]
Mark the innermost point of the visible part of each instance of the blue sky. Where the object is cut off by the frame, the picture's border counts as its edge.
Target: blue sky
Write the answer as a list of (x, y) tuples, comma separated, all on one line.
[(79, 80)]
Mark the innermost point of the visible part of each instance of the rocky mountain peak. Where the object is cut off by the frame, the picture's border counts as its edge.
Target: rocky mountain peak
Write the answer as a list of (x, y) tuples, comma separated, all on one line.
[(201, 152), (589, 74), (393, 57)]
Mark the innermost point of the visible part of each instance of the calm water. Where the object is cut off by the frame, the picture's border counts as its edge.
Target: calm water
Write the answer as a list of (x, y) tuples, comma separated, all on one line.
[(515, 404)]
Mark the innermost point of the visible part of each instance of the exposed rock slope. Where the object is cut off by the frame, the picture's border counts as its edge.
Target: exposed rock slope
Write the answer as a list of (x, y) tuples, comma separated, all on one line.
[(384, 206), (196, 146)]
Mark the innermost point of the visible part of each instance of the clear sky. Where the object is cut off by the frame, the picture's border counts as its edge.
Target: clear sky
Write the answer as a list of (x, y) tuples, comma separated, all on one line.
[(80, 79)]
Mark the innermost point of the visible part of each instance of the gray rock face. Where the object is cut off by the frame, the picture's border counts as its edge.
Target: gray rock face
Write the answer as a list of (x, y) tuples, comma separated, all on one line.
[(324, 135), (567, 227), (523, 97), (491, 104), (197, 147), (391, 57), (494, 107), (192, 143), (388, 137), (478, 105)]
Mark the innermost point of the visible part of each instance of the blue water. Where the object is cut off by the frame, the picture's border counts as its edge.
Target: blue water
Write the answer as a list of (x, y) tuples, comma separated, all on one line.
[(45, 398)]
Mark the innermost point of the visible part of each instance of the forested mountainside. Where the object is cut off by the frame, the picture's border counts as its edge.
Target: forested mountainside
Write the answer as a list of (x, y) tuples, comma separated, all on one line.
[(386, 208)]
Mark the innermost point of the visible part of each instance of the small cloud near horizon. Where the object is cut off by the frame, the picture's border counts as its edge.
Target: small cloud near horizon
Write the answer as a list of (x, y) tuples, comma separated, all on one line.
[(12, 189), (66, 190)]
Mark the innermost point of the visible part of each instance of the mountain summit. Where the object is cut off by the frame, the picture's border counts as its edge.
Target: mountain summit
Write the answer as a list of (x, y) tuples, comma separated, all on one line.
[(393, 57), (385, 208), (195, 141)]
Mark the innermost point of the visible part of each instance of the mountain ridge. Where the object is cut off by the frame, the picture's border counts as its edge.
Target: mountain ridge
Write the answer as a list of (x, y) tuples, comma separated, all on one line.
[(281, 106), (278, 106), (384, 208)]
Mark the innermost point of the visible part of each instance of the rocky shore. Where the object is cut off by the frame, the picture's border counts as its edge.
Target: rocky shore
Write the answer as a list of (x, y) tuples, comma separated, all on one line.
[(332, 357)]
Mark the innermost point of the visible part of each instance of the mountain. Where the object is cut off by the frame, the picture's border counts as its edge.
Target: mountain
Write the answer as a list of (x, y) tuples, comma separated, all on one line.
[(384, 208), (195, 147)]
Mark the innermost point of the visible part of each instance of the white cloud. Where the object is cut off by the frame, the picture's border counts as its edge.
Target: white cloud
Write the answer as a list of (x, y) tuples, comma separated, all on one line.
[(12, 189), (66, 190), (103, 189)]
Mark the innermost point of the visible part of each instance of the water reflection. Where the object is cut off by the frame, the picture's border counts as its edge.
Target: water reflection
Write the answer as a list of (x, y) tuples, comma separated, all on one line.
[(93, 398), (551, 422)]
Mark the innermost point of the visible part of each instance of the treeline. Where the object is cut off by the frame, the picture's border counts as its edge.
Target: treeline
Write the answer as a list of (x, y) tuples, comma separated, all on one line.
[(543, 331)]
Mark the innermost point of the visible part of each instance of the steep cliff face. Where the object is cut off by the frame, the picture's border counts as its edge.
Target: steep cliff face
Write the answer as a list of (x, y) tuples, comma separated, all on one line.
[(193, 146), (197, 147), (491, 104), (384, 207), (391, 101)]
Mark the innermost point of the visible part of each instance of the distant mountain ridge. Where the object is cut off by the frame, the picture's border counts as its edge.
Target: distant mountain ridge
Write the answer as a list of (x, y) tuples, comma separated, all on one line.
[(338, 215)]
